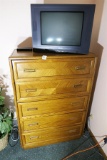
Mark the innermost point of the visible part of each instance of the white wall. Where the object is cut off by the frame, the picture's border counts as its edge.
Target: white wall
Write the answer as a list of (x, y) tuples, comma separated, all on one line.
[(15, 26), (98, 124)]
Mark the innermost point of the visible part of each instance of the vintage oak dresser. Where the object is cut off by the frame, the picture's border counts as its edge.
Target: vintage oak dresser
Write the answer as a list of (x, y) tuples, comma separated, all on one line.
[(52, 94)]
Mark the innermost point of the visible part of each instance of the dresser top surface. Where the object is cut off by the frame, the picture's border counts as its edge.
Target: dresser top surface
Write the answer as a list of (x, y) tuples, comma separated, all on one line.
[(33, 55)]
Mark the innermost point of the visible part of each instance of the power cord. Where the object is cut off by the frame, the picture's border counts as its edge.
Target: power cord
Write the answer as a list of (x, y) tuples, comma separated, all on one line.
[(14, 136), (105, 142), (95, 152)]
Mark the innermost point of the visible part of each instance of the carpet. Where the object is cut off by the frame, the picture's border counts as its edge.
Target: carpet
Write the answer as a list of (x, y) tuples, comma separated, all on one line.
[(55, 151)]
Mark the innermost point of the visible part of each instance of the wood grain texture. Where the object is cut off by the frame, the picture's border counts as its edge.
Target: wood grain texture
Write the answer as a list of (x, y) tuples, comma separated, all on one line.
[(52, 107), (54, 121), (41, 68), (52, 136), (51, 96)]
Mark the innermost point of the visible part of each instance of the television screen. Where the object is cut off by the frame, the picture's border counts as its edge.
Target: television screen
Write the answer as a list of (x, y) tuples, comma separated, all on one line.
[(62, 27)]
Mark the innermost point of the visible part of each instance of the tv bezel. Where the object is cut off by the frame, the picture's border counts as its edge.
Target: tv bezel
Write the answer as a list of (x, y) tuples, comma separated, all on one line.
[(88, 10)]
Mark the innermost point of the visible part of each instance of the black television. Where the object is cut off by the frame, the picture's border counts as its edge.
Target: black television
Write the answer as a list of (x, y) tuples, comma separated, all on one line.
[(63, 28)]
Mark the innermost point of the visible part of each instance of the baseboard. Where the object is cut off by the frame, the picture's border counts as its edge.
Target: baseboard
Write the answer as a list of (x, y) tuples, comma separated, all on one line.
[(95, 140)]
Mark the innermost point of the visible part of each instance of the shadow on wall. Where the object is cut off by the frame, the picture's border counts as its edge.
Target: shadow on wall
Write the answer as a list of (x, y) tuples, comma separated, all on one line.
[(27, 43), (99, 49), (94, 46)]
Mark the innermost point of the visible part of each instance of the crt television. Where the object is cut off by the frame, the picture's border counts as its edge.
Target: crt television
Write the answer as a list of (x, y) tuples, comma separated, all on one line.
[(62, 27)]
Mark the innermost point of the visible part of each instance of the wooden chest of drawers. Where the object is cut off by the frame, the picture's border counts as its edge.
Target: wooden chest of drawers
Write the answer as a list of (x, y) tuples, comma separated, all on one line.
[(51, 95)]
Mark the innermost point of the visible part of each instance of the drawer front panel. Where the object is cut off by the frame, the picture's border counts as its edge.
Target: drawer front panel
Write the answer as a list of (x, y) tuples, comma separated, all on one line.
[(52, 134), (46, 88), (52, 107), (41, 68), (53, 121)]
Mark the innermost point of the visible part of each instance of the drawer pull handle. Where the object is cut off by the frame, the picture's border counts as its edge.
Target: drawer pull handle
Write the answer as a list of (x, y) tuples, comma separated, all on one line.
[(33, 124), (29, 70), (31, 90), (72, 131), (30, 109), (77, 85), (34, 137), (75, 103), (79, 67)]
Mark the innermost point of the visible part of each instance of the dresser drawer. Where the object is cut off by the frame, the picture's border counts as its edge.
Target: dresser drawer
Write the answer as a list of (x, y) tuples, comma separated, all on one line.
[(52, 107), (40, 68), (28, 91), (42, 122), (52, 135)]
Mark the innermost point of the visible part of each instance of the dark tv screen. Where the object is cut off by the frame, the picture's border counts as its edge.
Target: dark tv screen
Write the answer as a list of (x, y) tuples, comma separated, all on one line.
[(61, 28)]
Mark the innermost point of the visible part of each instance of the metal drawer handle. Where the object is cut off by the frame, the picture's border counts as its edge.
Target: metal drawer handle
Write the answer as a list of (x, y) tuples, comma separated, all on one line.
[(34, 137), (29, 70), (30, 109), (33, 124), (80, 67), (77, 85), (31, 90), (72, 131), (75, 103)]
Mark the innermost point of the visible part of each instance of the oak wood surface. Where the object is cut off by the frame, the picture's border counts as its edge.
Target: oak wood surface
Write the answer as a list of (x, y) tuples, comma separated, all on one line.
[(51, 95)]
